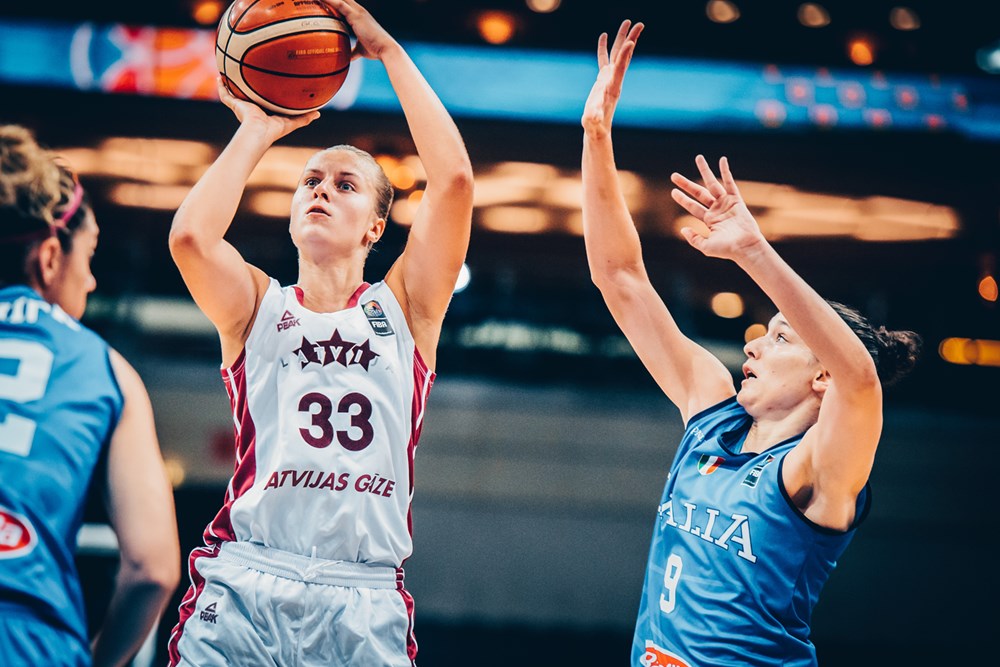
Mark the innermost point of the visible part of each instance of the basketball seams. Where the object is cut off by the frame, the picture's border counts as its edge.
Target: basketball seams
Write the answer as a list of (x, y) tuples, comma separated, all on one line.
[(238, 49), (252, 60), (289, 75), (274, 105), (258, 68), (232, 25), (332, 19)]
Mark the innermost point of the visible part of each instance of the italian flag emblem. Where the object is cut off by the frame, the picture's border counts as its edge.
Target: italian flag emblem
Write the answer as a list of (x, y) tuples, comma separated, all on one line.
[(709, 464)]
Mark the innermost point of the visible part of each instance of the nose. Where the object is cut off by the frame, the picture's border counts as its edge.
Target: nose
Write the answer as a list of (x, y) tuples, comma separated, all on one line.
[(750, 349), (319, 192)]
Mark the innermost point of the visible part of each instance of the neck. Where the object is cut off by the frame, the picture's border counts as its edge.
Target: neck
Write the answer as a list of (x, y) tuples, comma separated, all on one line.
[(328, 288), (765, 433)]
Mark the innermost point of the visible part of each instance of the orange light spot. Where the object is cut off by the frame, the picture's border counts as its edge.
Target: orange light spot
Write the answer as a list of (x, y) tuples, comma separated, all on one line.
[(496, 27), (988, 288), (207, 12), (861, 51)]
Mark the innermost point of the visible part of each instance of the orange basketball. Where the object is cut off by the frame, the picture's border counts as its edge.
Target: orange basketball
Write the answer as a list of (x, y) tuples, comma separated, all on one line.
[(288, 56)]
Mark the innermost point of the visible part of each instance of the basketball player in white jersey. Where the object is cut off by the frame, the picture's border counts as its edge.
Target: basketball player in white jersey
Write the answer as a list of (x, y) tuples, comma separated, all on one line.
[(328, 380)]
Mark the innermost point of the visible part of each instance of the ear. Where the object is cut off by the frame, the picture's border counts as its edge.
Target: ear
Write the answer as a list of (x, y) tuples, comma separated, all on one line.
[(821, 382), (50, 260), (376, 231)]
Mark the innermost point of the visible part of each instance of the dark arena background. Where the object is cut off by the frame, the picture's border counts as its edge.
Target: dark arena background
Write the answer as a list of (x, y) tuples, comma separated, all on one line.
[(865, 136)]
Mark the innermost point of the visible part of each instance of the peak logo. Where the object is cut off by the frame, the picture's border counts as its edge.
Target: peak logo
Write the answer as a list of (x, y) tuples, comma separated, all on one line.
[(17, 537), (287, 321), (208, 614), (658, 657)]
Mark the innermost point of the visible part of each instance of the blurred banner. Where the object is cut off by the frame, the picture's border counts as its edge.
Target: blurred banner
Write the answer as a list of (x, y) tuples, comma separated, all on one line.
[(507, 83)]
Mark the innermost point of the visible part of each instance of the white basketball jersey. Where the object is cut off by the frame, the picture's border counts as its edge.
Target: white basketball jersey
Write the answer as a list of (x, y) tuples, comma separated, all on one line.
[(327, 410)]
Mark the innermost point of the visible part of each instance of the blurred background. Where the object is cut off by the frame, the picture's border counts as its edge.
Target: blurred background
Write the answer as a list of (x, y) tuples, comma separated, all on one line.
[(865, 137)]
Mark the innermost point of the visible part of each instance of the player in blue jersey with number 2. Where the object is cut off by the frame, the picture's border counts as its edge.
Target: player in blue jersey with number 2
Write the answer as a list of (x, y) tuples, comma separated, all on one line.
[(71, 410), (769, 482)]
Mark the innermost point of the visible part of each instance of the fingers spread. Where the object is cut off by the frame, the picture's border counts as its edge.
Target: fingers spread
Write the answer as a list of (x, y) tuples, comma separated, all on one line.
[(636, 30), (693, 189), (620, 39), (602, 50), (688, 204), (622, 64), (727, 178), (708, 177), (695, 239)]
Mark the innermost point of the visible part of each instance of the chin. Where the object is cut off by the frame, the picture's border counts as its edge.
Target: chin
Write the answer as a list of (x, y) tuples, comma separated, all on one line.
[(745, 400)]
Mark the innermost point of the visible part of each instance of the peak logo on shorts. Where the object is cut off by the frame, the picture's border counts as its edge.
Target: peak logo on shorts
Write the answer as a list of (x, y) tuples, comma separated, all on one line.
[(287, 321), (660, 657), (209, 614), (377, 318), (17, 537)]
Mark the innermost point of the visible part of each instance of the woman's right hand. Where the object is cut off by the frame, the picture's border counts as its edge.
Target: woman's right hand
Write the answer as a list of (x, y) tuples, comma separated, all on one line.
[(603, 99), (273, 126), (373, 39), (733, 233)]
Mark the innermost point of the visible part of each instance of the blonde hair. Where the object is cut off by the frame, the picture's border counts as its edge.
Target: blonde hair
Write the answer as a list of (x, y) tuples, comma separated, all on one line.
[(39, 198), (30, 179)]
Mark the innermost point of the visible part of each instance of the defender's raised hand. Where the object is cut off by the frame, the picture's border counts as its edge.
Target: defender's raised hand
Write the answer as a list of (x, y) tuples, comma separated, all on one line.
[(732, 231), (600, 107)]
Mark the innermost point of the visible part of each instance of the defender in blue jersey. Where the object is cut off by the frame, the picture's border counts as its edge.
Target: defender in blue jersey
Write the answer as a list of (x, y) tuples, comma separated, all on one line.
[(769, 482), (70, 408)]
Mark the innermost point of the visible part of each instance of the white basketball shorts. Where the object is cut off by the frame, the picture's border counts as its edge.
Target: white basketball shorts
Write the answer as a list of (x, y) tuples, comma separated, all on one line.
[(251, 605)]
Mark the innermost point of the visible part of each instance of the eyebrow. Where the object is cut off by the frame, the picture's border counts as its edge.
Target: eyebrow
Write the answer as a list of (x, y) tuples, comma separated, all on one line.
[(314, 171)]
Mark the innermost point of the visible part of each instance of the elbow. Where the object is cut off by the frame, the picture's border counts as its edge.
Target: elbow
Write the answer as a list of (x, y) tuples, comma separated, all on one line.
[(867, 375), (613, 278), (159, 574), (458, 181), (182, 239), (862, 379), (602, 277)]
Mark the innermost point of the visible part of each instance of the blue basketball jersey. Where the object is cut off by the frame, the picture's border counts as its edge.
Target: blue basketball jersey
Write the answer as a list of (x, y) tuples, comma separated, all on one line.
[(59, 404), (734, 568)]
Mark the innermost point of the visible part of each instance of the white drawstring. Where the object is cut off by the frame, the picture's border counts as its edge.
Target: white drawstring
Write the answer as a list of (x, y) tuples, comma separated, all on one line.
[(314, 566)]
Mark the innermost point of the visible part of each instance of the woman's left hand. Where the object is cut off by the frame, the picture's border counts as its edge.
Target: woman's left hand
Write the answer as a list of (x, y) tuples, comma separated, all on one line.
[(732, 231), (373, 39), (599, 110)]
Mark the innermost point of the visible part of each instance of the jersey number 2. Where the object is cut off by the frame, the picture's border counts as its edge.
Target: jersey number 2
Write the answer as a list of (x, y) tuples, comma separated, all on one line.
[(321, 420), (25, 367)]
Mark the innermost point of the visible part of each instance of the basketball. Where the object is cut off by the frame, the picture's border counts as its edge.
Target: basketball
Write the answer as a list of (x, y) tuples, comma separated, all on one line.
[(287, 56)]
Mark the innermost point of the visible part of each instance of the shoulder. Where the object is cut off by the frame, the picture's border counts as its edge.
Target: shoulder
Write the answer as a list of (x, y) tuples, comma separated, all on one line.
[(720, 416)]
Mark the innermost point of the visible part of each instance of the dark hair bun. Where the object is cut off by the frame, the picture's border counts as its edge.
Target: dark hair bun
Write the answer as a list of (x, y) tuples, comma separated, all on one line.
[(898, 354)]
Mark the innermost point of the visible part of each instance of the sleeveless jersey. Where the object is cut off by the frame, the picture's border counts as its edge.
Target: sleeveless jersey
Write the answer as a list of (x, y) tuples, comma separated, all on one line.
[(734, 568), (59, 405), (327, 410)]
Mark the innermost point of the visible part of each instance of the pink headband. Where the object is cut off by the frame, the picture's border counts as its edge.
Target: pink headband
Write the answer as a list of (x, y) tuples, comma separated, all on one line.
[(71, 208)]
